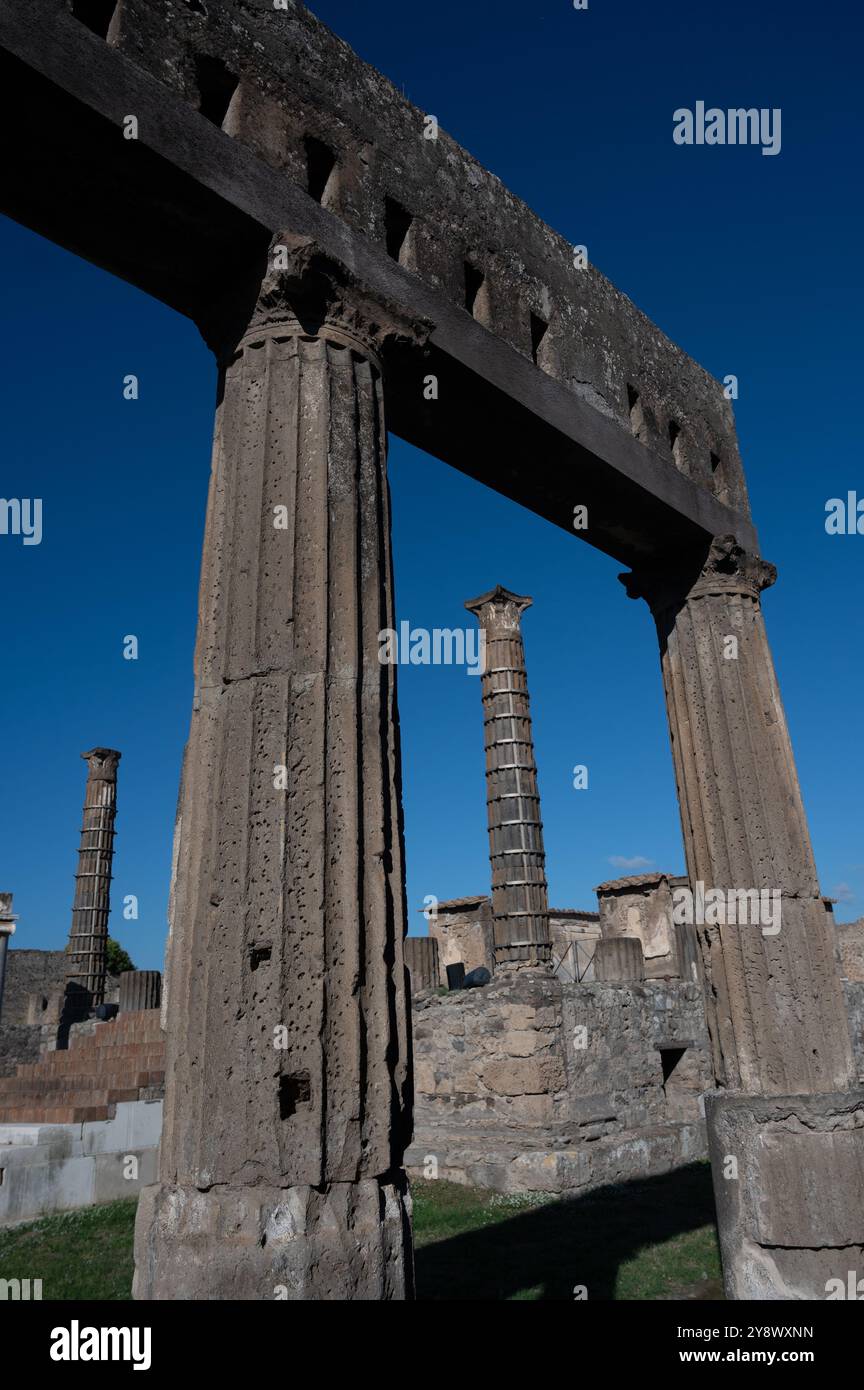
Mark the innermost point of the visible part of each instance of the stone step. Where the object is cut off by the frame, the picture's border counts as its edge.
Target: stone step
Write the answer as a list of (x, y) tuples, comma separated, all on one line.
[(54, 1115), (72, 1096), (17, 1085), (139, 1055)]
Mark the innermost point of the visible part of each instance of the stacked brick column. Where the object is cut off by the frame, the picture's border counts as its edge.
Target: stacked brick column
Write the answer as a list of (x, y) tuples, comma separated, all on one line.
[(88, 938), (519, 895)]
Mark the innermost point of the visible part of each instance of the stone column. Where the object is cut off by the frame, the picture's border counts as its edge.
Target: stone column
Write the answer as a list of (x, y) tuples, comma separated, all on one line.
[(421, 958), (619, 960), (7, 931), (776, 1010), (288, 1084), (520, 908), (88, 938), (140, 990)]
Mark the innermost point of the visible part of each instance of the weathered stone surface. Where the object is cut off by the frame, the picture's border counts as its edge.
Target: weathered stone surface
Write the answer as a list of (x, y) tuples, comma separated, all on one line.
[(288, 1055), (641, 906), (775, 1005), (520, 906), (619, 960), (850, 941), (346, 1241), (519, 1085), (30, 973), (791, 1215), (421, 958), (140, 989)]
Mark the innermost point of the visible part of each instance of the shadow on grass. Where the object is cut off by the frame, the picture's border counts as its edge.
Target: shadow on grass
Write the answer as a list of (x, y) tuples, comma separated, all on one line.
[(544, 1252)]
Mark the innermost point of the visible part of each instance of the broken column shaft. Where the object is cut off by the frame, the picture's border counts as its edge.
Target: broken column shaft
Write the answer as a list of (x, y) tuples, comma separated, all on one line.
[(520, 908), (288, 1085), (88, 938)]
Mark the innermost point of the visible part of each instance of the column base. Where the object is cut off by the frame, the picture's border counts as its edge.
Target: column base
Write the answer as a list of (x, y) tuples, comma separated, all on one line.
[(345, 1242), (790, 1210)]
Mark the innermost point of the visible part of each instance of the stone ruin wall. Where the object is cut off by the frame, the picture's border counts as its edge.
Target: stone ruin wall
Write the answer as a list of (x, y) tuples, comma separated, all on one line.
[(850, 943), (642, 908), (28, 974), (32, 1002), (505, 1099), (506, 1095)]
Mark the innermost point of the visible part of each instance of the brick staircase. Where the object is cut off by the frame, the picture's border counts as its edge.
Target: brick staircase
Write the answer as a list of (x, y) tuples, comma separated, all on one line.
[(123, 1060)]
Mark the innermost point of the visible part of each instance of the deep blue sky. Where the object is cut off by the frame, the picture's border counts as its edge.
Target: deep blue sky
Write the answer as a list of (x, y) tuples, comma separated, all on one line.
[(753, 264)]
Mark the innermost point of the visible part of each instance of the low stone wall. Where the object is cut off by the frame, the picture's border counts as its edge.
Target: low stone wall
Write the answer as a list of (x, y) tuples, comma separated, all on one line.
[(854, 991), (19, 1042), (46, 1168), (27, 973), (535, 1084), (850, 943)]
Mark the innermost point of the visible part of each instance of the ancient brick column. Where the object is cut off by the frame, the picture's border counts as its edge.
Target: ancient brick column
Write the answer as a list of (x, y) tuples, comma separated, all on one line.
[(88, 937), (7, 931), (288, 1084), (776, 1010), (520, 909)]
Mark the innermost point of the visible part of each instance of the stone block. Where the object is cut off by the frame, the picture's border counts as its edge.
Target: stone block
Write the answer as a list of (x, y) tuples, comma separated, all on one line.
[(793, 1219)]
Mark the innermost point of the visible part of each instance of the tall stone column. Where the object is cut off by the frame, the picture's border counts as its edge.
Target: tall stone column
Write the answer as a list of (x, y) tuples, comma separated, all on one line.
[(288, 1080), (88, 937), (7, 931), (520, 907), (776, 1010)]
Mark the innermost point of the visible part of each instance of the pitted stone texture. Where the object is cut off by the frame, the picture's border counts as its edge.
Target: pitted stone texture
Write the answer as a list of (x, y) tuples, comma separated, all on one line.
[(619, 960), (775, 1004), (793, 1217), (529, 1065), (347, 1241), (288, 1050)]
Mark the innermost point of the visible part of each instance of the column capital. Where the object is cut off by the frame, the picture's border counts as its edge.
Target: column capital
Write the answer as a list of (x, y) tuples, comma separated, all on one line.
[(102, 764), (727, 569), (302, 290), (499, 607)]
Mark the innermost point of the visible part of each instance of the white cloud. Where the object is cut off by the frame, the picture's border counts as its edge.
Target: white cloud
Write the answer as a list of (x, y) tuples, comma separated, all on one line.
[(842, 892), (620, 861)]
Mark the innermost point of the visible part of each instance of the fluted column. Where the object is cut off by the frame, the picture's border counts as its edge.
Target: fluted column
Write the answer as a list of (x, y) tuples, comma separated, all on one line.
[(786, 1126), (776, 1010), (520, 908), (88, 937), (288, 1071)]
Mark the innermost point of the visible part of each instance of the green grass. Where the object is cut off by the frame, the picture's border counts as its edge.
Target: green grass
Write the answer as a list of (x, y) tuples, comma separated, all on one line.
[(83, 1254), (642, 1240)]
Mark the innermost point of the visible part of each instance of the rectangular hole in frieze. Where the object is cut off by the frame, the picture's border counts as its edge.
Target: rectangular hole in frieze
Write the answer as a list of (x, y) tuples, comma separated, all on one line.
[(637, 413), (294, 1091), (397, 225), (321, 165), (477, 294), (539, 329), (675, 442), (216, 86), (96, 15)]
